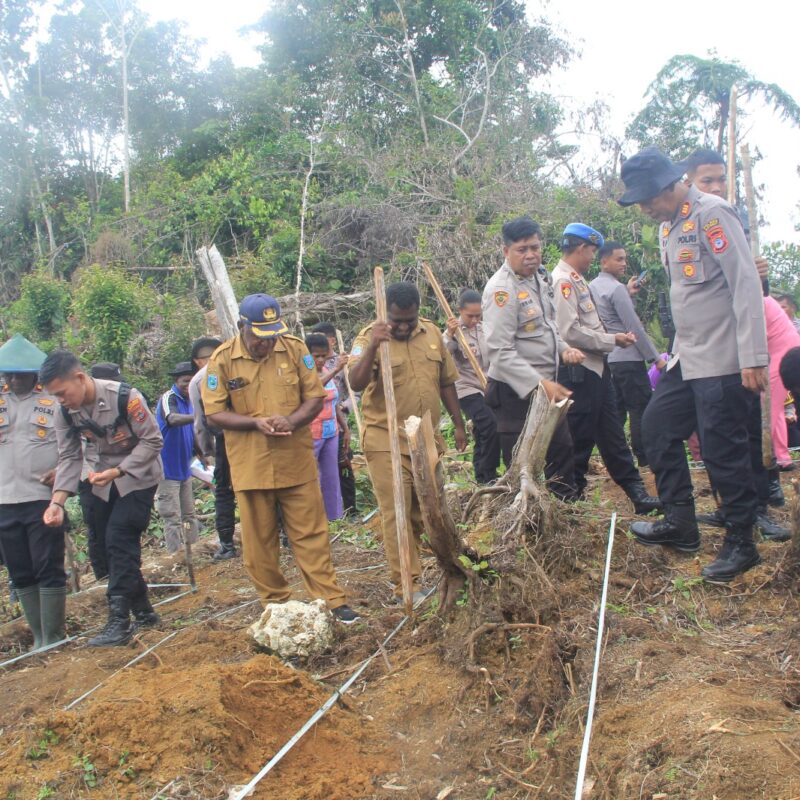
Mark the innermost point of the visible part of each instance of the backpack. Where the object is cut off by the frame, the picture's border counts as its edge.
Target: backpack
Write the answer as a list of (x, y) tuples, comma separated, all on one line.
[(122, 413)]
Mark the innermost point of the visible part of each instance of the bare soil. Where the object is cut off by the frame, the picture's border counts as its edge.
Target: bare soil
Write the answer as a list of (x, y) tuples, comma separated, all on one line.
[(699, 693)]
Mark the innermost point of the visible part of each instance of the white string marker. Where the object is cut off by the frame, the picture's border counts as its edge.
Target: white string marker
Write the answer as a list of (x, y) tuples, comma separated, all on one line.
[(587, 736)]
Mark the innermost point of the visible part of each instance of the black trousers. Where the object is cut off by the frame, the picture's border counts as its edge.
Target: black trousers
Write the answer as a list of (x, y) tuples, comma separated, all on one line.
[(633, 390), (32, 551), (224, 497), (719, 410), (120, 523), (95, 545), (510, 411), (347, 480), (594, 420), (486, 453)]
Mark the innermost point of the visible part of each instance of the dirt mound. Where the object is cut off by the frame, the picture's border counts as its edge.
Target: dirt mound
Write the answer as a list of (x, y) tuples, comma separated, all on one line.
[(185, 715)]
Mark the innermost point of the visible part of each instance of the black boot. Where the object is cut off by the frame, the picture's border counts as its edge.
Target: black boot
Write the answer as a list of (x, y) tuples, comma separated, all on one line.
[(143, 612), (678, 529), (737, 554), (118, 630), (643, 503), (225, 552), (776, 498), (715, 519), (769, 529)]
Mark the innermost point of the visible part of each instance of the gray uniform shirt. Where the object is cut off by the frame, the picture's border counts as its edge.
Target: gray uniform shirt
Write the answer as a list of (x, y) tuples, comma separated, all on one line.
[(716, 295), (135, 447), (204, 431), (578, 320), (519, 323), (468, 382), (615, 307), (28, 447)]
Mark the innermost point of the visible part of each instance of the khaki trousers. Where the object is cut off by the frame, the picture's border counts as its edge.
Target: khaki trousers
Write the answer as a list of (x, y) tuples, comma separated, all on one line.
[(307, 528), (380, 472), (175, 506)]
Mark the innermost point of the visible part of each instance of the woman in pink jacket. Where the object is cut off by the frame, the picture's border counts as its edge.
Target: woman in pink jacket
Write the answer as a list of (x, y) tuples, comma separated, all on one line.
[(781, 336)]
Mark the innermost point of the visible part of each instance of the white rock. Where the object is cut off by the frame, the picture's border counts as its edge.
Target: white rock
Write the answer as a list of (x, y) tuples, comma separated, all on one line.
[(294, 628)]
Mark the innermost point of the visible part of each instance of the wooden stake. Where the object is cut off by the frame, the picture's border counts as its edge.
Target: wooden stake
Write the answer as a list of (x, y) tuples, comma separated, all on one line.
[(73, 564), (351, 394), (732, 147), (462, 340), (403, 539), (767, 451)]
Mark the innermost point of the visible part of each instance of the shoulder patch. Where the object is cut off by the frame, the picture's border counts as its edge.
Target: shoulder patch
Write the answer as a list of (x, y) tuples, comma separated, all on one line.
[(308, 361), (710, 224), (717, 239), (500, 298), (357, 350), (566, 290), (212, 381), (133, 404)]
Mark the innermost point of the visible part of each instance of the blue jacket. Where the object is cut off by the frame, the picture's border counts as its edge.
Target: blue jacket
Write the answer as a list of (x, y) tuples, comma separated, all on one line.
[(178, 439)]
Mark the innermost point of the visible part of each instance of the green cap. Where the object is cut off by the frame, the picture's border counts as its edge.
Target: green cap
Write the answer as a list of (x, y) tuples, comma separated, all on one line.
[(20, 355)]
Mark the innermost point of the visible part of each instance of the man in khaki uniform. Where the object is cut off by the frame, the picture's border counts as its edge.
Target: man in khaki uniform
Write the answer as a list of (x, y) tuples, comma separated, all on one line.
[(115, 417), (32, 552), (593, 417), (263, 390), (424, 377)]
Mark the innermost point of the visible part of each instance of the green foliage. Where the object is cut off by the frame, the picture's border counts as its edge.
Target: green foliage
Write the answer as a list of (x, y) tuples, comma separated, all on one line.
[(41, 749), (784, 267), (88, 771), (110, 307), (40, 314)]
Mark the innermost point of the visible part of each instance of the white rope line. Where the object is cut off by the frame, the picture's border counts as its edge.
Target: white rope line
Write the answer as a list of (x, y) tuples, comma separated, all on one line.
[(322, 710), (153, 647), (80, 635), (587, 736)]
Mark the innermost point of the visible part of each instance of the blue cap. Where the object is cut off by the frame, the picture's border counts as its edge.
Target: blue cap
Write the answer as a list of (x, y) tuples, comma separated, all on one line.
[(581, 231), (263, 314)]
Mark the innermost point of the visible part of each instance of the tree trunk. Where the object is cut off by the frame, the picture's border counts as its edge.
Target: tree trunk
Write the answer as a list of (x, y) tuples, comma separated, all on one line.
[(219, 283), (439, 525)]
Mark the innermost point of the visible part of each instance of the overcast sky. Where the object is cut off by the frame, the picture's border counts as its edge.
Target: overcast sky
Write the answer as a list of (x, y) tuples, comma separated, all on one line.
[(622, 44)]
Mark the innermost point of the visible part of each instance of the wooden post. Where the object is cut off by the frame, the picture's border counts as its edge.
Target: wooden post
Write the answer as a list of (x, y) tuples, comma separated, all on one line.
[(219, 283), (351, 394), (403, 539), (73, 564), (767, 451), (732, 147), (442, 533), (462, 340)]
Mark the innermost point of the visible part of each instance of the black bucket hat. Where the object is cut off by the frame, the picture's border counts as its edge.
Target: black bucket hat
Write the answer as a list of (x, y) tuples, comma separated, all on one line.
[(647, 174)]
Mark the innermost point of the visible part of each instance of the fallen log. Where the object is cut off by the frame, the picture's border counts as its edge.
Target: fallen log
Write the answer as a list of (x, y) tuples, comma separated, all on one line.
[(439, 525)]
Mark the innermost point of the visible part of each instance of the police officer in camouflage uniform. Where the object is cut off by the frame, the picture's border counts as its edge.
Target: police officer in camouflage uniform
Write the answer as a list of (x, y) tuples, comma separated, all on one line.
[(524, 348), (719, 365), (593, 417), (33, 552)]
